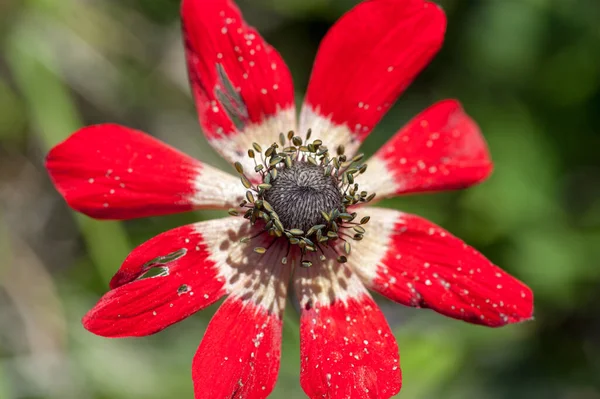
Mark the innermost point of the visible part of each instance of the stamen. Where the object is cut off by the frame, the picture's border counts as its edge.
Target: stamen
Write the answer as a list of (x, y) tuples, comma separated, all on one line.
[(304, 196)]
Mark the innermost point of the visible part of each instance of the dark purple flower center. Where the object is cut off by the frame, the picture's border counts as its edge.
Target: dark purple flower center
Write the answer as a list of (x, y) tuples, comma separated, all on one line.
[(299, 194)]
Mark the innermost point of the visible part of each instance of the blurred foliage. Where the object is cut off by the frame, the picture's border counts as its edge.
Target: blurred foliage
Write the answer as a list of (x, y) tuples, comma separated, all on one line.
[(527, 70)]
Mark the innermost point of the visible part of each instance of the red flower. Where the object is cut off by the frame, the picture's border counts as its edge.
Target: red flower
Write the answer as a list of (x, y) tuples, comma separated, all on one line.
[(302, 216)]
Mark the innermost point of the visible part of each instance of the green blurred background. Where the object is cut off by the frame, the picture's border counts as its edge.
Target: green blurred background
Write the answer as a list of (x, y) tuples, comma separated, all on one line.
[(527, 70)]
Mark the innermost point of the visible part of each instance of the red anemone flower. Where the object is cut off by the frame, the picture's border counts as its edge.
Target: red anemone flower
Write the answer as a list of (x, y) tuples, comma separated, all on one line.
[(299, 213)]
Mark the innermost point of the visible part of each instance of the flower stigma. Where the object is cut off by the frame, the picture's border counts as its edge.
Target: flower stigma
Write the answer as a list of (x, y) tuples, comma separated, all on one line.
[(304, 196)]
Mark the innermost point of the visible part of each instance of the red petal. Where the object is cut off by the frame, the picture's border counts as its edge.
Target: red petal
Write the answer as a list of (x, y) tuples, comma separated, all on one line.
[(192, 279), (348, 351), (414, 262), (210, 242), (113, 172), (440, 149), (347, 347), (239, 354), (216, 33), (365, 62)]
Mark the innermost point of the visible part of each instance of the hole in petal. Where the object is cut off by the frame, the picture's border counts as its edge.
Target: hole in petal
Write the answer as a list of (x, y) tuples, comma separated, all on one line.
[(230, 99), (183, 289), (157, 267), (155, 272), (165, 259)]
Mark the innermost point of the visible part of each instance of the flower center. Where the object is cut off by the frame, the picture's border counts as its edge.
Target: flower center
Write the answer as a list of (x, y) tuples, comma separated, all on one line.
[(300, 193), (304, 197)]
